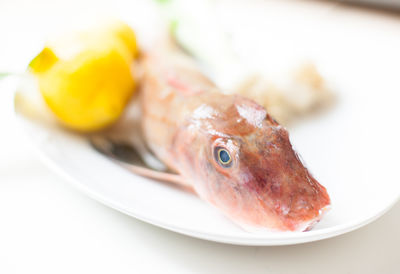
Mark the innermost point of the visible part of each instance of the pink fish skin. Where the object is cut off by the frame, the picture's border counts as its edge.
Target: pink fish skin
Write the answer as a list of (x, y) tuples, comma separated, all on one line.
[(233, 153)]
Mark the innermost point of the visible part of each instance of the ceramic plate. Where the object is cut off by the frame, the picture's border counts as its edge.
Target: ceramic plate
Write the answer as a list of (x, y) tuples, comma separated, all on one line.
[(352, 149), (348, 156)]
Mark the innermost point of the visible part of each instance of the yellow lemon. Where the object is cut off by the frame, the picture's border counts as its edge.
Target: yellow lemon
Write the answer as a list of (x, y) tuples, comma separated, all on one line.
[(86, 78)]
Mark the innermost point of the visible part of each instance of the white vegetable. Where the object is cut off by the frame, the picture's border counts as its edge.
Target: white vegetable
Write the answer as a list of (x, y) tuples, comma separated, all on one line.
[(285, 93)]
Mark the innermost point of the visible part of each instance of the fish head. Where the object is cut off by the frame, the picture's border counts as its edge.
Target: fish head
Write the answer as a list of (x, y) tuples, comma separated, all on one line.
[(242, 162)]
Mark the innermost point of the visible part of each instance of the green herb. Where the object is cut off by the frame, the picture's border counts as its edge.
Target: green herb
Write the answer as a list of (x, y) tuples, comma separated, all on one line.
[(163, 1), (4, 74)]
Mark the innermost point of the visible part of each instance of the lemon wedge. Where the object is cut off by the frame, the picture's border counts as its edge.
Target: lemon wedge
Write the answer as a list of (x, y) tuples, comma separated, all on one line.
[(87, 78)]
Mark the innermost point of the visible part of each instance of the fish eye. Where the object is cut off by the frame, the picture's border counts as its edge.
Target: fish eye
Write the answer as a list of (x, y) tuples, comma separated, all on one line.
[(222, 156)]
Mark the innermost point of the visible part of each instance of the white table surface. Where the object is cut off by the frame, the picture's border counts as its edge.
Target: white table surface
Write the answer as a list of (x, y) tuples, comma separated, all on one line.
[(47, 226)]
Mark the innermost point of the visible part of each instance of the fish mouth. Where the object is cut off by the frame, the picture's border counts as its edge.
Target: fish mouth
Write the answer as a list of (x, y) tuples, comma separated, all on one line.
[(301, 227), (308, 225)]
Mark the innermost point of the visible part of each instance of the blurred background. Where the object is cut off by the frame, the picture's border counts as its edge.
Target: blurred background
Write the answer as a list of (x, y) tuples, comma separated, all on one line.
[(46, 226)]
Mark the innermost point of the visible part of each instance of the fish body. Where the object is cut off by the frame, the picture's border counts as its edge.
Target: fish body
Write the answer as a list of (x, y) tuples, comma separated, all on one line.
[(227, 147)]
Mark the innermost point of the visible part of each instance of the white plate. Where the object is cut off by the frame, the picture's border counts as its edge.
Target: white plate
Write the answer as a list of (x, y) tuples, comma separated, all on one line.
[(353, 165), (353, 150)]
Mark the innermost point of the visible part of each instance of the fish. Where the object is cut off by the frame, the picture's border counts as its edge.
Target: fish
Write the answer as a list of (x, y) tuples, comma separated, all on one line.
[(227, 148)]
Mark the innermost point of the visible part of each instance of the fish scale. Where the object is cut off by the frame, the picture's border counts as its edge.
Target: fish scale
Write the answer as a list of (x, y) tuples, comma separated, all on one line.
[(185, 119)]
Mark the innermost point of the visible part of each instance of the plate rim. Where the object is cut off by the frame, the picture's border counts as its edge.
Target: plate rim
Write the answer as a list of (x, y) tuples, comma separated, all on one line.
[(289, 238)]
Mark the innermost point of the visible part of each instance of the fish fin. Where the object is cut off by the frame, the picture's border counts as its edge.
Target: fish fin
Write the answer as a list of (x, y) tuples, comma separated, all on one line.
[(126, 136), (157, 175), (127, 157)]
